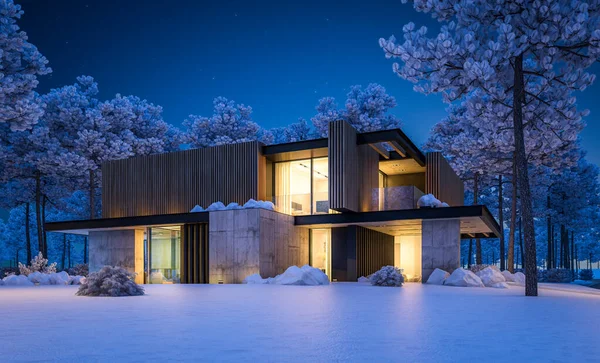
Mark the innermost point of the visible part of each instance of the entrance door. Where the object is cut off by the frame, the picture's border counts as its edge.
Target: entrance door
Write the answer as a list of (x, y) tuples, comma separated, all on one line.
[(320, 250), (163, 248)]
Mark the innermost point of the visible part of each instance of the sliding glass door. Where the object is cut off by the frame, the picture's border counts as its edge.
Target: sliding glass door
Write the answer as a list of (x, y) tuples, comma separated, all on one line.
[(163, 255)]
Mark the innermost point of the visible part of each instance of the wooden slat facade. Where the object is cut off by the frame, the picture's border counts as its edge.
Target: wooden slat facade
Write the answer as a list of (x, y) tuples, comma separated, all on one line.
[(343, 167), (194, 253), (442, 181), (373, 251), (368, 176), (175, 182)]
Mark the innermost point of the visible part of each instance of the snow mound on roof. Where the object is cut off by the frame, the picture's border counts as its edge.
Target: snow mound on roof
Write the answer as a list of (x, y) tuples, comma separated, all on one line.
[(259, 204), (464, 278), (437, 277), (17, 280), (197, 209), (430, 201), (233, 205), (490, 276), (216, 206), (294, 275)]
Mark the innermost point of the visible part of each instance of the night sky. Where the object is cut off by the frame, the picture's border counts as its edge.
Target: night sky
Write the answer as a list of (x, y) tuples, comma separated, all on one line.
[(278, 57)]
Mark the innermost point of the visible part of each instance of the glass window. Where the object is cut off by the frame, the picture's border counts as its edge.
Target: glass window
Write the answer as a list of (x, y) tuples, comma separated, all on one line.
[(320, 250), (301, 186), (163, 255)]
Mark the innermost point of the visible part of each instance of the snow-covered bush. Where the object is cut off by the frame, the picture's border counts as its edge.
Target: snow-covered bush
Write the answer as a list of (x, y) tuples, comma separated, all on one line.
[(387, 276), (110, 281), (77, 280), (81, 269), (586, 274), (17, 280), (555, 275), (476, 268), (38, 264)]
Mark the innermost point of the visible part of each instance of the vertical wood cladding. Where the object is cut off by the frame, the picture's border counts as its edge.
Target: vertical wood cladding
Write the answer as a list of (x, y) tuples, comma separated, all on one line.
[(343, 167), (175, 182), (373, 251), (442, 181), (194, 253), (368, 176)]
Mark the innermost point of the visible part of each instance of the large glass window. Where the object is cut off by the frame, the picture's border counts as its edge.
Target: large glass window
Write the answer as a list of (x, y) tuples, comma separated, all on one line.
[(320, 250), (163, 250), (301, 186)]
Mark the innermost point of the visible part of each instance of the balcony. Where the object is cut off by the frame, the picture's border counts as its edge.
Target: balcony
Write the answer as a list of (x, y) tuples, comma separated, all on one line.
[(301, 204), (395, 198)]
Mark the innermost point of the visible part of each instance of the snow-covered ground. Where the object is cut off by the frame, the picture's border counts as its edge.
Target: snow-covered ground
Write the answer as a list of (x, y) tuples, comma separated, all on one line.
[(339, 322)]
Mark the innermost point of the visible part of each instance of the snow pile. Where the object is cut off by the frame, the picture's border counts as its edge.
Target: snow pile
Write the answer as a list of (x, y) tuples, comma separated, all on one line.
[(59, 278), (39, 278), (508, 276), (490, 276), (294, 275), (77, 280), (437, 277), (499, 285), (430, 201), (387, 276), (110, 281), (250, 204), (364, 279), (17, 280), (519, 278), (197, 209), (464, 278)]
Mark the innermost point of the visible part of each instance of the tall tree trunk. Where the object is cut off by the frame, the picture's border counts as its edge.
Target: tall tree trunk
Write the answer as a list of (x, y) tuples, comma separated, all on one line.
[(513, 222), (44, 233), (38, 214), (64, 251), (554, 248), (523, 179), (69, 251), (571, 260), (85, 249), (27, 233), (501, 221), (549, 226), (478, 259), (521, 250), (92, 196), (470, 259)]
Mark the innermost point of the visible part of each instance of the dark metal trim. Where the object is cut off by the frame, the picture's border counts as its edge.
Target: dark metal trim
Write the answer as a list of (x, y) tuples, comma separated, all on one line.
[(294, 146), (393, 135), (406, 214), (201, 217)]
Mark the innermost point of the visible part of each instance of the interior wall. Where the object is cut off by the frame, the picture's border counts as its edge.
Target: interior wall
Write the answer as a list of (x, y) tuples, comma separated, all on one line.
[(416, 179), (407, 255)]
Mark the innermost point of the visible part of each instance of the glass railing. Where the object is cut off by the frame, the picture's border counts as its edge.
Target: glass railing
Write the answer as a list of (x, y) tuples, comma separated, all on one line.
[(395, 198), (301, 204)]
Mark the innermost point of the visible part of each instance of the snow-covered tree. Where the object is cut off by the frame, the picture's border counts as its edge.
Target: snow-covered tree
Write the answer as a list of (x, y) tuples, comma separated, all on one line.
[(229, 124), (20, 65), (297, 131), (517, 52), (365, 109)]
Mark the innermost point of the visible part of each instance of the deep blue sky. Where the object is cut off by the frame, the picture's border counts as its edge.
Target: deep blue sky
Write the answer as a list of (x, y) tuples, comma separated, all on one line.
[(278, 57)]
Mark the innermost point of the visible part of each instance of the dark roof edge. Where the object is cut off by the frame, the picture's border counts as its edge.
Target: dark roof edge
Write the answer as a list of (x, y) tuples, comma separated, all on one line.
[(100, 223)]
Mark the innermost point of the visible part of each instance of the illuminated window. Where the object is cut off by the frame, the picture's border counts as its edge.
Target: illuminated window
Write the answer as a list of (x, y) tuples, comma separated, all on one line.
[(302, 187), (320, 250), (163, 250)]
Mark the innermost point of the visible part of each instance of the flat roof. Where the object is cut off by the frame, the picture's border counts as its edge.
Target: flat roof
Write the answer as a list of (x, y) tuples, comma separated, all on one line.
[(476, 220), (83, 226)]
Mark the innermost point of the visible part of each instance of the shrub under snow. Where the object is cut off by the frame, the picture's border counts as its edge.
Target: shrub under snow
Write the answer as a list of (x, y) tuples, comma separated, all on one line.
[(110, 281), (81, 269), (586, 274), (387, 276), (555, 275), (17, 280), (38, 264)]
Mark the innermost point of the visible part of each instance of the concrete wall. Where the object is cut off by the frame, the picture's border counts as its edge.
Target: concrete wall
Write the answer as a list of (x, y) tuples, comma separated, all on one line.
[(248, 241), (440, 246), (124, 248)]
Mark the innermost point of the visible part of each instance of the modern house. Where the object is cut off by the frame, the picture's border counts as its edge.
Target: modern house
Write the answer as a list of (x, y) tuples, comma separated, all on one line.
[(346, 204)]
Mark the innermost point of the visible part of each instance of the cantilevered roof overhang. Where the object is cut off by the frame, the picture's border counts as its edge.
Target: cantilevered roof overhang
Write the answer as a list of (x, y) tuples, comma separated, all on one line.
[(84, 226), (318, 147), (476, 220)]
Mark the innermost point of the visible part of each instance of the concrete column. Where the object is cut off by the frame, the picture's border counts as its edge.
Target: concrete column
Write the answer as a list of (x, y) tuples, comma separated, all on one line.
[(123, 248), (440, 246)]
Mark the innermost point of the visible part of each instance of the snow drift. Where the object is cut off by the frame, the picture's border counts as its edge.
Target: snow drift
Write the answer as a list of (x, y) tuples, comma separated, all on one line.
[(294, 275), (430, 201), (464, 278), (490, 276), (437, 277)]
